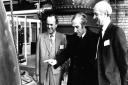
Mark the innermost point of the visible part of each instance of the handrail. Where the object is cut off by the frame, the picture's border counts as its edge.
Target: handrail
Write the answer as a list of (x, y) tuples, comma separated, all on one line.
[(24, 12)]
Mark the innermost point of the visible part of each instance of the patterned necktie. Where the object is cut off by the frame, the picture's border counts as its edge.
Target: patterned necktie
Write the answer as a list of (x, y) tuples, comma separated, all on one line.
[(51, 40), (52, 46)]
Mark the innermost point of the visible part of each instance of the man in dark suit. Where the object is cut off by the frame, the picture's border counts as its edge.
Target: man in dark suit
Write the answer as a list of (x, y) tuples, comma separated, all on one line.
[(49, 44), (112, 48), (81, 49)]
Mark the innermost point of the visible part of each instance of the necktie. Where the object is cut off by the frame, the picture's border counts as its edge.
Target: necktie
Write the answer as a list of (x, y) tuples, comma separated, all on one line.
[(99, 42), (51, 35), (52, 46), (51, 40)]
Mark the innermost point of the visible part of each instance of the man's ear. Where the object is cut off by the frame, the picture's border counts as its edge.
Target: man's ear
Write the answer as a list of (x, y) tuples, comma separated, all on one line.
[(106, 13)]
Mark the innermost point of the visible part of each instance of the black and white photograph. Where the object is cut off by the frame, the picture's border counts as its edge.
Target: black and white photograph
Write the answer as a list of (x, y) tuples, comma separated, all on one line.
[(63, 42)]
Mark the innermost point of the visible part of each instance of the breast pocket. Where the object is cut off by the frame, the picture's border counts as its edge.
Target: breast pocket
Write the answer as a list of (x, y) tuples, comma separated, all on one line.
[(106, 48)]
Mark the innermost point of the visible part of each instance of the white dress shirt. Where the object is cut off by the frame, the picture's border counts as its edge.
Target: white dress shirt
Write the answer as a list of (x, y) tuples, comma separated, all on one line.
[(107, 22)]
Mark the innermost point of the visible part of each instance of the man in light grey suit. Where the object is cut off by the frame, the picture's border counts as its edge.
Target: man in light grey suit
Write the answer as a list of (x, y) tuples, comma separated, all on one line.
[(49, 44)]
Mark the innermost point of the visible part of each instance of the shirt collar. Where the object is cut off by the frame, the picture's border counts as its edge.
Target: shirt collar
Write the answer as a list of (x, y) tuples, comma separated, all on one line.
[(105, 27), (83, 35), (53, 35)]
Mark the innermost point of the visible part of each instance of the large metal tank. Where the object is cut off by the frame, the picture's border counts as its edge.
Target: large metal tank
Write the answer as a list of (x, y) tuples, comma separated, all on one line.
[(9, 67)]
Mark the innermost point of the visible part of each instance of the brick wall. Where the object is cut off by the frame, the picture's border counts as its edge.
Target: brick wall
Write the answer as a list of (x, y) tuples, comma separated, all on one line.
[(120, 15)]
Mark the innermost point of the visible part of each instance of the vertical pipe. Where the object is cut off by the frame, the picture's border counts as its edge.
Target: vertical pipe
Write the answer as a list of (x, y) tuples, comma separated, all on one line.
[(9, 66), (12, 21), (25, 38), (30, 33), (17, 34)]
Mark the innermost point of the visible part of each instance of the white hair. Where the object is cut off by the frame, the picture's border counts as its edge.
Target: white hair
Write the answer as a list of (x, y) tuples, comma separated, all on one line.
[(103, 6)]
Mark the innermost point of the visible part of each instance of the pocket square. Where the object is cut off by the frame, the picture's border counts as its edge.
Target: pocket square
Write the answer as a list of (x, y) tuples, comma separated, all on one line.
[(61, 46), (107, 42)]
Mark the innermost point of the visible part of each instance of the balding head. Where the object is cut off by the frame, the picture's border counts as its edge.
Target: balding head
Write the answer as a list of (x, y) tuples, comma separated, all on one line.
[(103, 6), (80, 17), (102, 12)]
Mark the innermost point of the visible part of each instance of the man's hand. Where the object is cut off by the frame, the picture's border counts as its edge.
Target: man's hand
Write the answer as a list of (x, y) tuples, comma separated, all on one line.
[(51, 61)]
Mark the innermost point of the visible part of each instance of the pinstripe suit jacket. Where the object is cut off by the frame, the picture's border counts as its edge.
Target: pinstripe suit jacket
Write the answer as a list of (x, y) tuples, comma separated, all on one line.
[(44, 70)]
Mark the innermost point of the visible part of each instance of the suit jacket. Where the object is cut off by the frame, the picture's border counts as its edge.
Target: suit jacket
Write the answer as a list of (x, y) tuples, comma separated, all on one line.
[(82, 55), (112, 57), (45, 70)]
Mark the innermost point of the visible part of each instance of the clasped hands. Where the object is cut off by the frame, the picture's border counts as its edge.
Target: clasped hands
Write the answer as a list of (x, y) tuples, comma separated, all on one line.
[(51, 61)]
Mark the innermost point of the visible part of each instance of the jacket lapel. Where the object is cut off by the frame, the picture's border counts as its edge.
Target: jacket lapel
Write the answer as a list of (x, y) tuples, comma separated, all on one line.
[(46, 40), (107, 33), (57, 41)]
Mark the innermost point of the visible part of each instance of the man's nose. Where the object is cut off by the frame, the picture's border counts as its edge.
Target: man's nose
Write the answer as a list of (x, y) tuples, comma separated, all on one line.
[(75, 30), (94, 16), (49, 26)]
